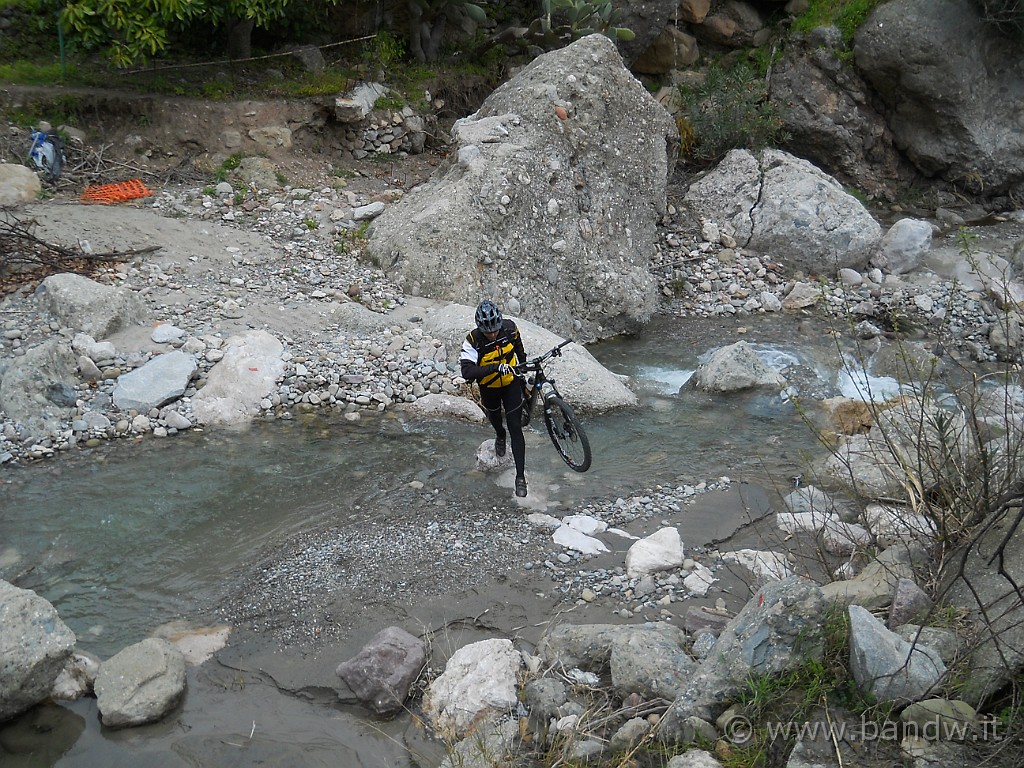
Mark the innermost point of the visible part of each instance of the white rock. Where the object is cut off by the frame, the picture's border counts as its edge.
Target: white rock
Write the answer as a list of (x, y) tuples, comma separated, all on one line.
[(480, 677), (661, 551), (764, 565), (572, 539)]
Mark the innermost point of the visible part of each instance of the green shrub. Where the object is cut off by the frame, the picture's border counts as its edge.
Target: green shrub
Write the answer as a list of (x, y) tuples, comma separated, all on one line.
[(846, 15), (730, 110)]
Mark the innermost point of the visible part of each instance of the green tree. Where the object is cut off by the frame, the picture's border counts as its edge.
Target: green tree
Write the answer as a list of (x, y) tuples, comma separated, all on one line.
[(132, 30)]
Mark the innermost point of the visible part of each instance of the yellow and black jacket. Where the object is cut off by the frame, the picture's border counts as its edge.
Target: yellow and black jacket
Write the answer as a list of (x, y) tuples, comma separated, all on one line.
[(481, 357)]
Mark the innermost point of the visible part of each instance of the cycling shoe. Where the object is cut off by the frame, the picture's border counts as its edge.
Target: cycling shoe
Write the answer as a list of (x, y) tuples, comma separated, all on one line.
[(520, 486)]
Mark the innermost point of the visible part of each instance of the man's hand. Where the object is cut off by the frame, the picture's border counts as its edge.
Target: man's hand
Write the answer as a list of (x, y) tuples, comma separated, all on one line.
[(505, 369)]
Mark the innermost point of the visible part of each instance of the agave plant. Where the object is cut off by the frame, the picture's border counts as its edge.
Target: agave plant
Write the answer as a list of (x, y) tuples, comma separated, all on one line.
[(563, 21)]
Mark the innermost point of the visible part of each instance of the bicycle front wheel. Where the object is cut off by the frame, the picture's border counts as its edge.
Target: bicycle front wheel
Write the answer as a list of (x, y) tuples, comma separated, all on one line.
[(567, 434)]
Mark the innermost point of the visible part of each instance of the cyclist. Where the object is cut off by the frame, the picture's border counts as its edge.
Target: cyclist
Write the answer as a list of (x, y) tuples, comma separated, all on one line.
[(488, 355)]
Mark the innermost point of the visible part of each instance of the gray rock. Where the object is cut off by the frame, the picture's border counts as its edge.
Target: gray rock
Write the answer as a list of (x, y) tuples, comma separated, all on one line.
[(384, 669), (901, 248), (875, 585), (810, 499), (909, 603), (28, 382), (176, 420), (778, 628), (940, 719), (943, 641), (160, 381), (541, 211), (825, 109), (543, 697), (310, 57), (887, 666), (165, 333), (447, 406), (97, 351), (18, 184), (698, 618), (922, 440), (589, 646), (88, 370), (629, 734), (140, 684), (34, 646), (802, 295), (754, 195), (369, 211), (949, 84), (87, 306), (990, 593), (353, 107), (704, 644), (651, 664), (694, 758), (734, 368)]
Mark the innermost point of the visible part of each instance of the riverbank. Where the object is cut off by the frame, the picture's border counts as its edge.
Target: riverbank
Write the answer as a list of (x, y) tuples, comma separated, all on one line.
[(218, 274)]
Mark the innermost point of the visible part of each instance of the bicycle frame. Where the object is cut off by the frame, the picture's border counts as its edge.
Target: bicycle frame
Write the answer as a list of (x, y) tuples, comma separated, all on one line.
[(540, 382)]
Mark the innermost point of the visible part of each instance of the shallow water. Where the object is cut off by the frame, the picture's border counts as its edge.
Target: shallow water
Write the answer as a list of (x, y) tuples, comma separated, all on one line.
[(125, 538)]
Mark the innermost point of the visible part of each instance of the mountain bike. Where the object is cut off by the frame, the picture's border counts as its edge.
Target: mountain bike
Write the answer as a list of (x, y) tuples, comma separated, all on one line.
[(563, 426)]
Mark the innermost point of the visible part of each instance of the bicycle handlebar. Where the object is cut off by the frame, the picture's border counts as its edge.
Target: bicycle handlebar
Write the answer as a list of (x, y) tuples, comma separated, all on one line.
[(532, 365)]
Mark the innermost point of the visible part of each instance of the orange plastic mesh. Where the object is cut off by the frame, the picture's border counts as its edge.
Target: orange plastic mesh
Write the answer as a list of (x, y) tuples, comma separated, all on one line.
[(106, 194)]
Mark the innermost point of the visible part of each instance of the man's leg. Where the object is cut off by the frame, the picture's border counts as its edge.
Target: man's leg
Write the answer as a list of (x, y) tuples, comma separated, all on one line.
[(512, 399), (491, 400)]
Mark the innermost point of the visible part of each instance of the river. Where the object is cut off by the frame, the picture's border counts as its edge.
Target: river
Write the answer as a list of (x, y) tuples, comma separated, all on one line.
[(128, 539)]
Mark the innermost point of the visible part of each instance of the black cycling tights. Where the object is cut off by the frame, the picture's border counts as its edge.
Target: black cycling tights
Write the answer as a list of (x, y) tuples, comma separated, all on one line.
[(511, 398)]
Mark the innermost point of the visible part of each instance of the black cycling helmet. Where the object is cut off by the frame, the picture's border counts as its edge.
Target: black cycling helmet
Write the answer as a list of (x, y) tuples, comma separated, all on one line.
[(488, 317)]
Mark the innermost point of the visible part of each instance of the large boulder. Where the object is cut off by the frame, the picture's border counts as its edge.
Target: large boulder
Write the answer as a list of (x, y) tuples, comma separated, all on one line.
[(913, 443), (733, 368), (552, 199), (777, 630), (591, 646), (987, 585), (951, 86), (34, 646), (780, 205), (825, 109), (479, 678), (247, 372), (89, 307), (887, 666)]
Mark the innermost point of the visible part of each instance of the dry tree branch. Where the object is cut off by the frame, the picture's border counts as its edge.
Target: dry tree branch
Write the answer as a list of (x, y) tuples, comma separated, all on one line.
[(24, 256)]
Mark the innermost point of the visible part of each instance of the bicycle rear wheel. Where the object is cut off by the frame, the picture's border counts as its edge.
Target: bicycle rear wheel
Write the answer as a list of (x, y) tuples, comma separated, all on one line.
[(567, 434)]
